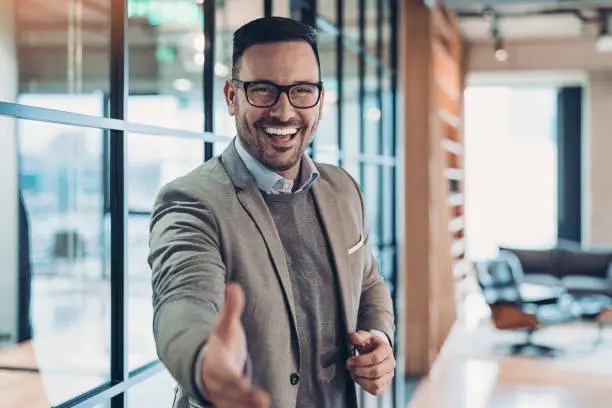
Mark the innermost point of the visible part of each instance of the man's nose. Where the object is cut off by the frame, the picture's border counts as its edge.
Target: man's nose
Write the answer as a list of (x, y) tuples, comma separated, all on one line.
[(282, 109)]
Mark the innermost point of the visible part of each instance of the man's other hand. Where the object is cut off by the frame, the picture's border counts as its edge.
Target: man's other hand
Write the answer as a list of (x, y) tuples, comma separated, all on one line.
[(374, 368), (225, 358)]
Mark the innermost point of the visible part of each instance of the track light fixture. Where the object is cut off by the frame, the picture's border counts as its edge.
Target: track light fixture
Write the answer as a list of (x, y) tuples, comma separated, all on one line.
[(500, 52)]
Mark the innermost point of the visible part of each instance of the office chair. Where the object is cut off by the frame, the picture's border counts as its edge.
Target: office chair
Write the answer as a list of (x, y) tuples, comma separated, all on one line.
[(520, 306)]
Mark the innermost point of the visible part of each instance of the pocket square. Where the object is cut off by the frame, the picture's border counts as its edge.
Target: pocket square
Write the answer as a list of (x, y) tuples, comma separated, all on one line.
[(358, 245)]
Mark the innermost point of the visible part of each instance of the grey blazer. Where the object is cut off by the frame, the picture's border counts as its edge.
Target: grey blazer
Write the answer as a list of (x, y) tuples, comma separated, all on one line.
[(212, 226)]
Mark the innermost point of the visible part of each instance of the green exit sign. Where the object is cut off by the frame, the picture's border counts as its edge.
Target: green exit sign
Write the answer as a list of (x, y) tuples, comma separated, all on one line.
[(166, 12)]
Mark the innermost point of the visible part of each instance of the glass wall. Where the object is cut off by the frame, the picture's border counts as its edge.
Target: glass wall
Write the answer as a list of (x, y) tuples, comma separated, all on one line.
[(101, 103), (511, 162)]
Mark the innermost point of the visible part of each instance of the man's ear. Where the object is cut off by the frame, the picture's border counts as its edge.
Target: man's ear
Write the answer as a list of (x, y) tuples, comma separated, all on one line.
[(230, 96)]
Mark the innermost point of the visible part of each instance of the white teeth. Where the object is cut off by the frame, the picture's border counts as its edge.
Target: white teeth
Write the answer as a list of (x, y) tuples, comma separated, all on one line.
[(280, 131)]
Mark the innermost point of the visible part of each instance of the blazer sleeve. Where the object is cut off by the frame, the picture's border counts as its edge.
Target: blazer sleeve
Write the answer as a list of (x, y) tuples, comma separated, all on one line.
[(188, 280), (375, 306)]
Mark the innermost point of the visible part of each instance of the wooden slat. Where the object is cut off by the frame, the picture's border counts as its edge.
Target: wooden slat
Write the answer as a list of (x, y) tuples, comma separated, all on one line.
[(456, 224), (454, 174), (461, 267), (449, 118), (452, 146), (458, 248), (449, 90), (455, 199)]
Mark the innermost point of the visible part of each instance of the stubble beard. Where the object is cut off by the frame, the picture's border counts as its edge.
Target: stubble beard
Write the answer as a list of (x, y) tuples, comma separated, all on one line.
[(252, 141)]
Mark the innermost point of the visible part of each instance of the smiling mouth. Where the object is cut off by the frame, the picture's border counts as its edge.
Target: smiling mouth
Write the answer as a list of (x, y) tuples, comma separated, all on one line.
[(280, 136)]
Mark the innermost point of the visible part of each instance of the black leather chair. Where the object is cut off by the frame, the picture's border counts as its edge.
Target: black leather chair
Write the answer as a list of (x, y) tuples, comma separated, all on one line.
[(521, 306)]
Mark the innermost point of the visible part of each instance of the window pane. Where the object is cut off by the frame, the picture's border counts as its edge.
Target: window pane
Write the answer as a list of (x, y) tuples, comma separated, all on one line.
[(281, 8), (166, 57), (371, 29), (54, 49), (350, 116), (373, 113), (157, 391), (327, 133), (387, 114), (386, 263), (371, 189), (64, 274), (327, 10), (351, 20), (230, 15), (386, 32), (152, 162), (388, 186), (156, 160), (495, 143)]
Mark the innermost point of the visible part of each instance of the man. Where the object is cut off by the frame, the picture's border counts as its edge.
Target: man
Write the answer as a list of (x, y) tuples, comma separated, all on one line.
[(287, 233)]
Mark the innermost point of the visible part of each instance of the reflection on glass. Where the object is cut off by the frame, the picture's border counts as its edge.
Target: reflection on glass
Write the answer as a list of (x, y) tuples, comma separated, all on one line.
[(386, 33), (327, 133), (152, 162), (388, 203), (61, 180), (230, 15), (327, 10), (371, 29), (157, 391), (373, 113), (56, 49), (350, 116), (387, 115), (372, 190), (166, 60), (351, 20), (387, 264)]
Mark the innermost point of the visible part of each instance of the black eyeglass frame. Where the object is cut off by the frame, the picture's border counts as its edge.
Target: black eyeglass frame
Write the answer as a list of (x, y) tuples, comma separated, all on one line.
[(281, 89)]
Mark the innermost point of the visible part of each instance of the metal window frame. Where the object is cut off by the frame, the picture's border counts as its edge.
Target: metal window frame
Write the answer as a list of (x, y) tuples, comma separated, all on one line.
[(119, 79), (208, 75)]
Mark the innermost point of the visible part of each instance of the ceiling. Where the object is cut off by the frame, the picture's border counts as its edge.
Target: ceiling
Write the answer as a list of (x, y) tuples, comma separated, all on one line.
[(536, 19)]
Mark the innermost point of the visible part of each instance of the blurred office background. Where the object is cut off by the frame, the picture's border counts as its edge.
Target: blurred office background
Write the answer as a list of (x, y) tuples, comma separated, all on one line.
[(474, 129)]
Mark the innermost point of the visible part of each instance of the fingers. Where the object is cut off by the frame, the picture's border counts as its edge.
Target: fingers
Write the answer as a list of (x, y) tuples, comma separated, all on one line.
[(375, 371), (357, 338), (376, 386), (377, 356), (232, 309)]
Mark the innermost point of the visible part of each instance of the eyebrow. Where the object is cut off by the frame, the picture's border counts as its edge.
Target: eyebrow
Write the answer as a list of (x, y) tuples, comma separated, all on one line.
[(292, 83)]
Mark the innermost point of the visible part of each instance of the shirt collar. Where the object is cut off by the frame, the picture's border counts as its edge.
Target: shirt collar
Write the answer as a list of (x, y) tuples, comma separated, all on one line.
[(271, 182)]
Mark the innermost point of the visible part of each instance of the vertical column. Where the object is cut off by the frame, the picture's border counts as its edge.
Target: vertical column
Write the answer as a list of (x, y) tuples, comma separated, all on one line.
[(569, 163), (415, 56), (597, 230), (8, 179)]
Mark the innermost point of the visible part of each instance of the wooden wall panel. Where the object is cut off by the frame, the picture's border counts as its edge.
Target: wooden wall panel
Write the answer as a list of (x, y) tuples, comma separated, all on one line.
[(431, 86)]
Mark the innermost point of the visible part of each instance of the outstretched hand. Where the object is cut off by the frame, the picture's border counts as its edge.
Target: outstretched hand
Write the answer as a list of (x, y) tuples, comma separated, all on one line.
[(225, 358)]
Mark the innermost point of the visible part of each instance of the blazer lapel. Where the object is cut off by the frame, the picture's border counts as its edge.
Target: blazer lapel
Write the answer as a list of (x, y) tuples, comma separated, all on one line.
[(251, 199), (331, 222)]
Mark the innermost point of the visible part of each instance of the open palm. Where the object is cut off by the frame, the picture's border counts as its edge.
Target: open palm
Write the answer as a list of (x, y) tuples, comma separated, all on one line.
[(225, 358)]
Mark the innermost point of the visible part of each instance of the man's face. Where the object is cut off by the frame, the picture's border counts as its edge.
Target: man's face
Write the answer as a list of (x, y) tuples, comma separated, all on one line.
[(278, 135)]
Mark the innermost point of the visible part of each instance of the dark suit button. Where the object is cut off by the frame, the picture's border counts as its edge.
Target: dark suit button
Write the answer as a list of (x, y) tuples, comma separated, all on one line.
[(294, 378)]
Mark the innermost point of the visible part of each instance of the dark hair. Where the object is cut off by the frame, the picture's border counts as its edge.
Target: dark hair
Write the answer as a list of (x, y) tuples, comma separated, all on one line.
[(271, 29)]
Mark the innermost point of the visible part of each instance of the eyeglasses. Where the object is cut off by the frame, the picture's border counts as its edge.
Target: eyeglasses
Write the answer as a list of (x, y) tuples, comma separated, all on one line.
[(265, 94)]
